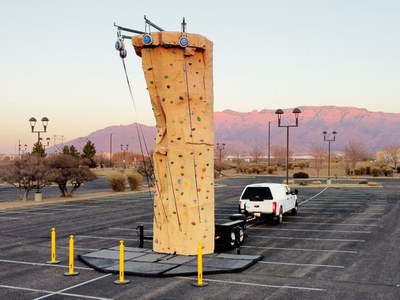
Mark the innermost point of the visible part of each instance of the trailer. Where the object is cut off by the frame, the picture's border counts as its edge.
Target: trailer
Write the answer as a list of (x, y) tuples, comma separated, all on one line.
[(229, 235)]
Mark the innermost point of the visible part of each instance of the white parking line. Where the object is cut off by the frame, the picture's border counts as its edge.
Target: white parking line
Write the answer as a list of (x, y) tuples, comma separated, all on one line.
[(42, 264), (103, 238), (377, 213), (301, 249), (9, 218), (75, 286), (301, 265), (30, 213), (256, 284), (313, 217), (51, 292), (306, 239), (331, 224), (312, 230), (79, 248)]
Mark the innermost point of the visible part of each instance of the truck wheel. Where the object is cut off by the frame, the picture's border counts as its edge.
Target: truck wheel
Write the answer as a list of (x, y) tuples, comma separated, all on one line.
[(279, 219), (295, 209)]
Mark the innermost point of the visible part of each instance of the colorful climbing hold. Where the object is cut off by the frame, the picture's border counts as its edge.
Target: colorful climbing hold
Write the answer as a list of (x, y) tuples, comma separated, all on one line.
[(165, 76), (198, 118)]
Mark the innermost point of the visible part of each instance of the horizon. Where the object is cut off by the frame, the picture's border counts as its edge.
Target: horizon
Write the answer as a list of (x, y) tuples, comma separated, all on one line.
[(81, 140)]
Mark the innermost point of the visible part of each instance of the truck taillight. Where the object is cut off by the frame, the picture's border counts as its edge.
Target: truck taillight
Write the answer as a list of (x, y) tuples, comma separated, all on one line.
[(274, 207)]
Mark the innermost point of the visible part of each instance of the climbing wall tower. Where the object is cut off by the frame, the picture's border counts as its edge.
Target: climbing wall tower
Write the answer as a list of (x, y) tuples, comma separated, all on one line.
[(178, 71)]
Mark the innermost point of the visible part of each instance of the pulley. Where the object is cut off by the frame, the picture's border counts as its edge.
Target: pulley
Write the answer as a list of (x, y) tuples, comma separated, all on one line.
[(119, 45), (122, 53), (147, 39), (183, 41)]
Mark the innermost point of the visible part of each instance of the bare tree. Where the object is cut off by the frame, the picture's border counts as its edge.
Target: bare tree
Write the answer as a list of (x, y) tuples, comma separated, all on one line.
[(392, 154), (279, 154), (256, 154), (238, 158), (319, 155), (354, 151)]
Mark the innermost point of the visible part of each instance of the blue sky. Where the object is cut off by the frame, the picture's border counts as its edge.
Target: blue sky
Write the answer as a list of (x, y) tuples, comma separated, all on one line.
[(58, 60)]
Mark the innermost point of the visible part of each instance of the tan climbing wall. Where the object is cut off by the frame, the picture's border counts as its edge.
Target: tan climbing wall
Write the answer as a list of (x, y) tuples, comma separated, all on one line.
[(180, 85)]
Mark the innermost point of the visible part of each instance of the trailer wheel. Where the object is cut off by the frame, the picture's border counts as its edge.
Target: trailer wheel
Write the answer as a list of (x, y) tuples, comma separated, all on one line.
[(234, 232)]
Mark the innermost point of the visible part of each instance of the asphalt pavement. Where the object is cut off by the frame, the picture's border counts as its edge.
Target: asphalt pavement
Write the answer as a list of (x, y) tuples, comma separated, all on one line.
[(344, 243)]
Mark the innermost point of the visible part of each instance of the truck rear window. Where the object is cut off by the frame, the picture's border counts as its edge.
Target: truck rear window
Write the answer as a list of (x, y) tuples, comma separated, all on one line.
[(257, 194)]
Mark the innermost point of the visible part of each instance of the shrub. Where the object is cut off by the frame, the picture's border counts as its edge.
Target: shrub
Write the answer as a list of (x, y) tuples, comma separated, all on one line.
[(117, 182), (300, 175), (398, 169), (375, 172), (368, 170), (363, 182), (134, 181), (388, 172), (271, 170)]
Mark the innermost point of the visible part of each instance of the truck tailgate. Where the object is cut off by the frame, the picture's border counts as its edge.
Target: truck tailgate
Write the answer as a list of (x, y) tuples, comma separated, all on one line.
[(259, 206)]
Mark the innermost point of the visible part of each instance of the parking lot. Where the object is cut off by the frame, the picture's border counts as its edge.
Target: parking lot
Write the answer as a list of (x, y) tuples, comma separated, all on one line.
[(343, 243)]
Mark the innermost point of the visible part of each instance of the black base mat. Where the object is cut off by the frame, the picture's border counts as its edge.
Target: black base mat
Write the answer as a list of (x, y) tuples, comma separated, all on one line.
[(145, 262)]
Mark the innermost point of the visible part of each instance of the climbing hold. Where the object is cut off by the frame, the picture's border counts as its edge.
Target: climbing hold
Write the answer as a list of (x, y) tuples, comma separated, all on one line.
[(151, 81), (165, 76), (179, 181), (168, 86), (198, 118), (205, 221)]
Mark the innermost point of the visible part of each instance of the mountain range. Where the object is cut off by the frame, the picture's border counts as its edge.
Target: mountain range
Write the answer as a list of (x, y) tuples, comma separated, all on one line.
[(242, 131)]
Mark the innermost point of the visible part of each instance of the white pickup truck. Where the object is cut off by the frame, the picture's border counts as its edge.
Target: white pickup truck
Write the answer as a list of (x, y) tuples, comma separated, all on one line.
[(269, 200)]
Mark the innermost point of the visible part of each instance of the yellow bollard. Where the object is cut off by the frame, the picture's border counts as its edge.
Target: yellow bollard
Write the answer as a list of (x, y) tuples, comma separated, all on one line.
[(71, 258), (121, 279), (200, 282), (53, 248)]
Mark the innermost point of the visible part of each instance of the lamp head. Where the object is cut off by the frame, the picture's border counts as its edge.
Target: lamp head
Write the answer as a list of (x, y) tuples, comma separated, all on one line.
[(296, 112), (45, 121), (33, 122)]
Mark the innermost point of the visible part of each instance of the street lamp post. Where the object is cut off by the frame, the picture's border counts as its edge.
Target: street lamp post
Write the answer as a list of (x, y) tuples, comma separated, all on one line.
[(329, 140), (269, 143), (220, 149), (296, 112), (45, 122), (20, 152), (122, 149)]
